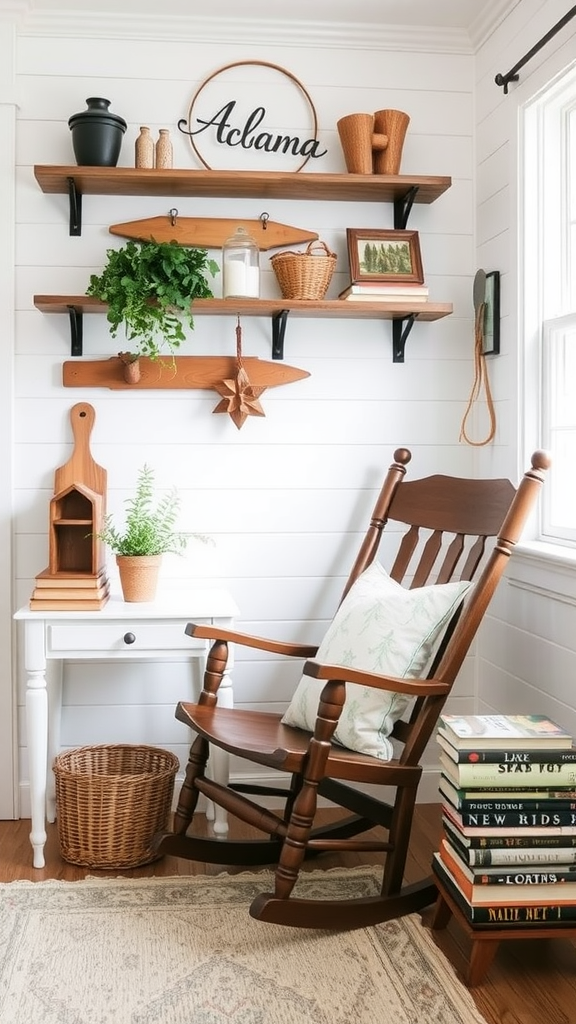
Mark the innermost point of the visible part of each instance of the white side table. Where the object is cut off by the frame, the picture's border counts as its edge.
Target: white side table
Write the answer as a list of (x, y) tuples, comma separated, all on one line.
[(118, 632)]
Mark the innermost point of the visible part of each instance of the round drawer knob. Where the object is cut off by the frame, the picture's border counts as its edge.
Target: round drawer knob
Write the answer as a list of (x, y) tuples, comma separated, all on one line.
[(129, 638)]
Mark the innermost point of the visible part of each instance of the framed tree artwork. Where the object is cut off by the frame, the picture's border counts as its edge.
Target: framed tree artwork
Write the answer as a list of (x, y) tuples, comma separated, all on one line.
[(391, 256)]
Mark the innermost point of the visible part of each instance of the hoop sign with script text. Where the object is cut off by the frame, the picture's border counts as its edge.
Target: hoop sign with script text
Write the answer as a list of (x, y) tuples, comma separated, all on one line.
[(253, 116)]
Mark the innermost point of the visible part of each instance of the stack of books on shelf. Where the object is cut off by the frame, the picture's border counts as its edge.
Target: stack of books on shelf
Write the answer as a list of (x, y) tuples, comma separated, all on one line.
[(508, 850), (381, 291)]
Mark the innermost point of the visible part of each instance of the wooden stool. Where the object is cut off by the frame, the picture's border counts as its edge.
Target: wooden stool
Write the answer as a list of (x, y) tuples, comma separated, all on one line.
[(485, 941)]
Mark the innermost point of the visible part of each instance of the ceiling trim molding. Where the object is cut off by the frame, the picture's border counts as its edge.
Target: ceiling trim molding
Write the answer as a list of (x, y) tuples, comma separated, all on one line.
[(261, 31), (13, 10), (490, 17)]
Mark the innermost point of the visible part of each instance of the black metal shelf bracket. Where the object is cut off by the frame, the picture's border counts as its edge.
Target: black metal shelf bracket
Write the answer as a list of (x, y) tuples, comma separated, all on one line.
[(402, 208), (278, 332), (401, 328), (75, 201), (76, 324)]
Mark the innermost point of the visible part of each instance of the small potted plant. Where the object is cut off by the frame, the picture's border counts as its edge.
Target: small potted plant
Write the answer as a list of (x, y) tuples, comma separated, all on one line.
[(149, 532), (149, 288)]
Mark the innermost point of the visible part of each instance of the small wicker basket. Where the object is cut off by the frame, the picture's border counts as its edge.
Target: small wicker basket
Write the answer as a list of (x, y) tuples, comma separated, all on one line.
[(304, 275), (111, 800)]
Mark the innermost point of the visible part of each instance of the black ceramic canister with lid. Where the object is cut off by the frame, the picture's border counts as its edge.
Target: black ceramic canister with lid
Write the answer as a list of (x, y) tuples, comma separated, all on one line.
[(97, 134)]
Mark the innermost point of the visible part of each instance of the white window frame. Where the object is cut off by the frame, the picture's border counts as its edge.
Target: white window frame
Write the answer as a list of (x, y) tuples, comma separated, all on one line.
[(548, 174), (558, 513)]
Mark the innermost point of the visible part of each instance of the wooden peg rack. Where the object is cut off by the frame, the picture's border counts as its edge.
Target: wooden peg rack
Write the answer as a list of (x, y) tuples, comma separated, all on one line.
[(182, 372)]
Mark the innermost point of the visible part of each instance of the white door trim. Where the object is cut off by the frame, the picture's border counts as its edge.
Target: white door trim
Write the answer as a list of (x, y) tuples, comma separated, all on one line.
[(8, 746)]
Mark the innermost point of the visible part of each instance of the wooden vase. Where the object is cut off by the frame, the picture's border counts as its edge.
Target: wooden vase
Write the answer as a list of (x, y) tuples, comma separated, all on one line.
[(355, 131), (130, 367), (392, 125), (144, 149), (164, 150), (139, 576)]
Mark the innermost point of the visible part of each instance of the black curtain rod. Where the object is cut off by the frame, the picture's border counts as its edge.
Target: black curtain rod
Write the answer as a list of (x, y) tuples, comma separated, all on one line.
[(512, 75)]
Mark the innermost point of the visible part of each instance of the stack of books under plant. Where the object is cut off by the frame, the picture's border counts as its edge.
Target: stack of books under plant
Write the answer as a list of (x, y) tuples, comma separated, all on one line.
[(508, 851)]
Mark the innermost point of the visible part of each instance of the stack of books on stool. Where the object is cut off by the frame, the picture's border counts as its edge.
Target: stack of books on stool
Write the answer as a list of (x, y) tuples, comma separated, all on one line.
[(507, 856)]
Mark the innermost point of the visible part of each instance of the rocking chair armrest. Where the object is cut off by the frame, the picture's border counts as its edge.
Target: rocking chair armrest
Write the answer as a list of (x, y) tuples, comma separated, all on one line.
[(293, 650), (343, 673)]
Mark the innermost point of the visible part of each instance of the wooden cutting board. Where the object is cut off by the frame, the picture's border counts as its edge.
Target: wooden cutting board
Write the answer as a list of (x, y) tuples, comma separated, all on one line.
[(211, 232), (81, 468)]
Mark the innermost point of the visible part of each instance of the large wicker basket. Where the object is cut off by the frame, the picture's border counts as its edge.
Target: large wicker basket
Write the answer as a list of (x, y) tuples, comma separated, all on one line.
[(304, 275), (110, 801)]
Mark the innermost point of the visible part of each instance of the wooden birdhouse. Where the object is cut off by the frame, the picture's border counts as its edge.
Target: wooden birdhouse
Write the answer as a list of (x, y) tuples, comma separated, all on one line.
[(75, 519), (75, 578)]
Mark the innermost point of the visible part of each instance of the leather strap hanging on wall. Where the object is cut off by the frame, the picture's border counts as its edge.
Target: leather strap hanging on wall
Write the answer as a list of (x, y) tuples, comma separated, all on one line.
[(481, 379)]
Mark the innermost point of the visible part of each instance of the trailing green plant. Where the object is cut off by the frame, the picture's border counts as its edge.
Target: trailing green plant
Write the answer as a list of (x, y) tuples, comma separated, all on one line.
[(149, 529), (149, 288)]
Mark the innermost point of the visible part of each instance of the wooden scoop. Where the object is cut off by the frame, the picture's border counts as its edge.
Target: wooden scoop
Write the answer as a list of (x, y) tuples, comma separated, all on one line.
[(81, 468)]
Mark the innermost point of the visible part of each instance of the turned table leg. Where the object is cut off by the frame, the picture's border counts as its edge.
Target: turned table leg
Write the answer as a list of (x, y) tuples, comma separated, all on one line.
[(442, 914), (483, 948), (481, 957)]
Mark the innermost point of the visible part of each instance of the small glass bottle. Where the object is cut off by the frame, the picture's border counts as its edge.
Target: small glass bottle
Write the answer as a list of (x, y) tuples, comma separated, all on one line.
[(240, 267), (144, 149), (164, 150)]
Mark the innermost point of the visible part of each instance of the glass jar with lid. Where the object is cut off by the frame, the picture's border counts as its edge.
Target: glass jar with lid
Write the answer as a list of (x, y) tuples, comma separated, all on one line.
[(240, 266)]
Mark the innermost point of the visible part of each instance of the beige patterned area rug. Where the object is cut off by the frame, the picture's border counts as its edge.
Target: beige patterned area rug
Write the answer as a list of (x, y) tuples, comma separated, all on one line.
[(184, 950)]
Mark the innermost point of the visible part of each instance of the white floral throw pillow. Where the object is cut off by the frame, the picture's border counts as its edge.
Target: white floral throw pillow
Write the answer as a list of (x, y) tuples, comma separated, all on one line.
[(380, 627)]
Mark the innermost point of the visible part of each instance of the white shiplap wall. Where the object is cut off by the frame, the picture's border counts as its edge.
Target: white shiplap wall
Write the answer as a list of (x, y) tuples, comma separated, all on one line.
[(287, 498), (528, 641)]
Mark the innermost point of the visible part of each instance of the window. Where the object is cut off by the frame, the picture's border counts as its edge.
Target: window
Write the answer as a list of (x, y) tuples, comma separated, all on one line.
[(559, 427), (549, 165)]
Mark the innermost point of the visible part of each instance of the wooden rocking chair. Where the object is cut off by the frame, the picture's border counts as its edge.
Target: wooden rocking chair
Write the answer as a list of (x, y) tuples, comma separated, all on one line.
[(448, 521)]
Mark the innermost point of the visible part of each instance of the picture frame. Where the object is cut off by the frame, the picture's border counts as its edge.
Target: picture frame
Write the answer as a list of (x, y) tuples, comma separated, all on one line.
[(381, 255), (491, 331)]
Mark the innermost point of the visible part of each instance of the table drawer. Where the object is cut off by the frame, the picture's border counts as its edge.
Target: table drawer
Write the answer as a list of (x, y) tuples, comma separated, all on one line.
[(115, 637)]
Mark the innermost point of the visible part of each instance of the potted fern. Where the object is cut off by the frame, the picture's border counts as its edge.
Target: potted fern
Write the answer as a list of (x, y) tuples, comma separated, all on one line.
[(149, 532), (149, 288)]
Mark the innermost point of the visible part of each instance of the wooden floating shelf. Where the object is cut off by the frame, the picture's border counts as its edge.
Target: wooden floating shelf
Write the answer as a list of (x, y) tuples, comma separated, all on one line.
[(400, 189), (402, 315), (122, 181), (339, 308)]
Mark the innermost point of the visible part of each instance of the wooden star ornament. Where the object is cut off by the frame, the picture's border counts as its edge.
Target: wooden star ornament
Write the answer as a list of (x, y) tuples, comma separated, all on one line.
[(240, 398)]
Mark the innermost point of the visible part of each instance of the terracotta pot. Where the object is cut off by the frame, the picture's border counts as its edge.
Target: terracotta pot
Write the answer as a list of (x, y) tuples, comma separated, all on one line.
[(130, 367), (138, 576)]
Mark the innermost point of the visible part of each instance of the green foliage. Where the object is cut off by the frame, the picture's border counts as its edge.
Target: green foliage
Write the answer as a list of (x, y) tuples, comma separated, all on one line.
[(148, 530), (393, 258), (149, 287)]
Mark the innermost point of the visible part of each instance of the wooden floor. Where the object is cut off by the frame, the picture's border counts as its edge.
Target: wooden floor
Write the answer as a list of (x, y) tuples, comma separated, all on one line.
[(528, 983)]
